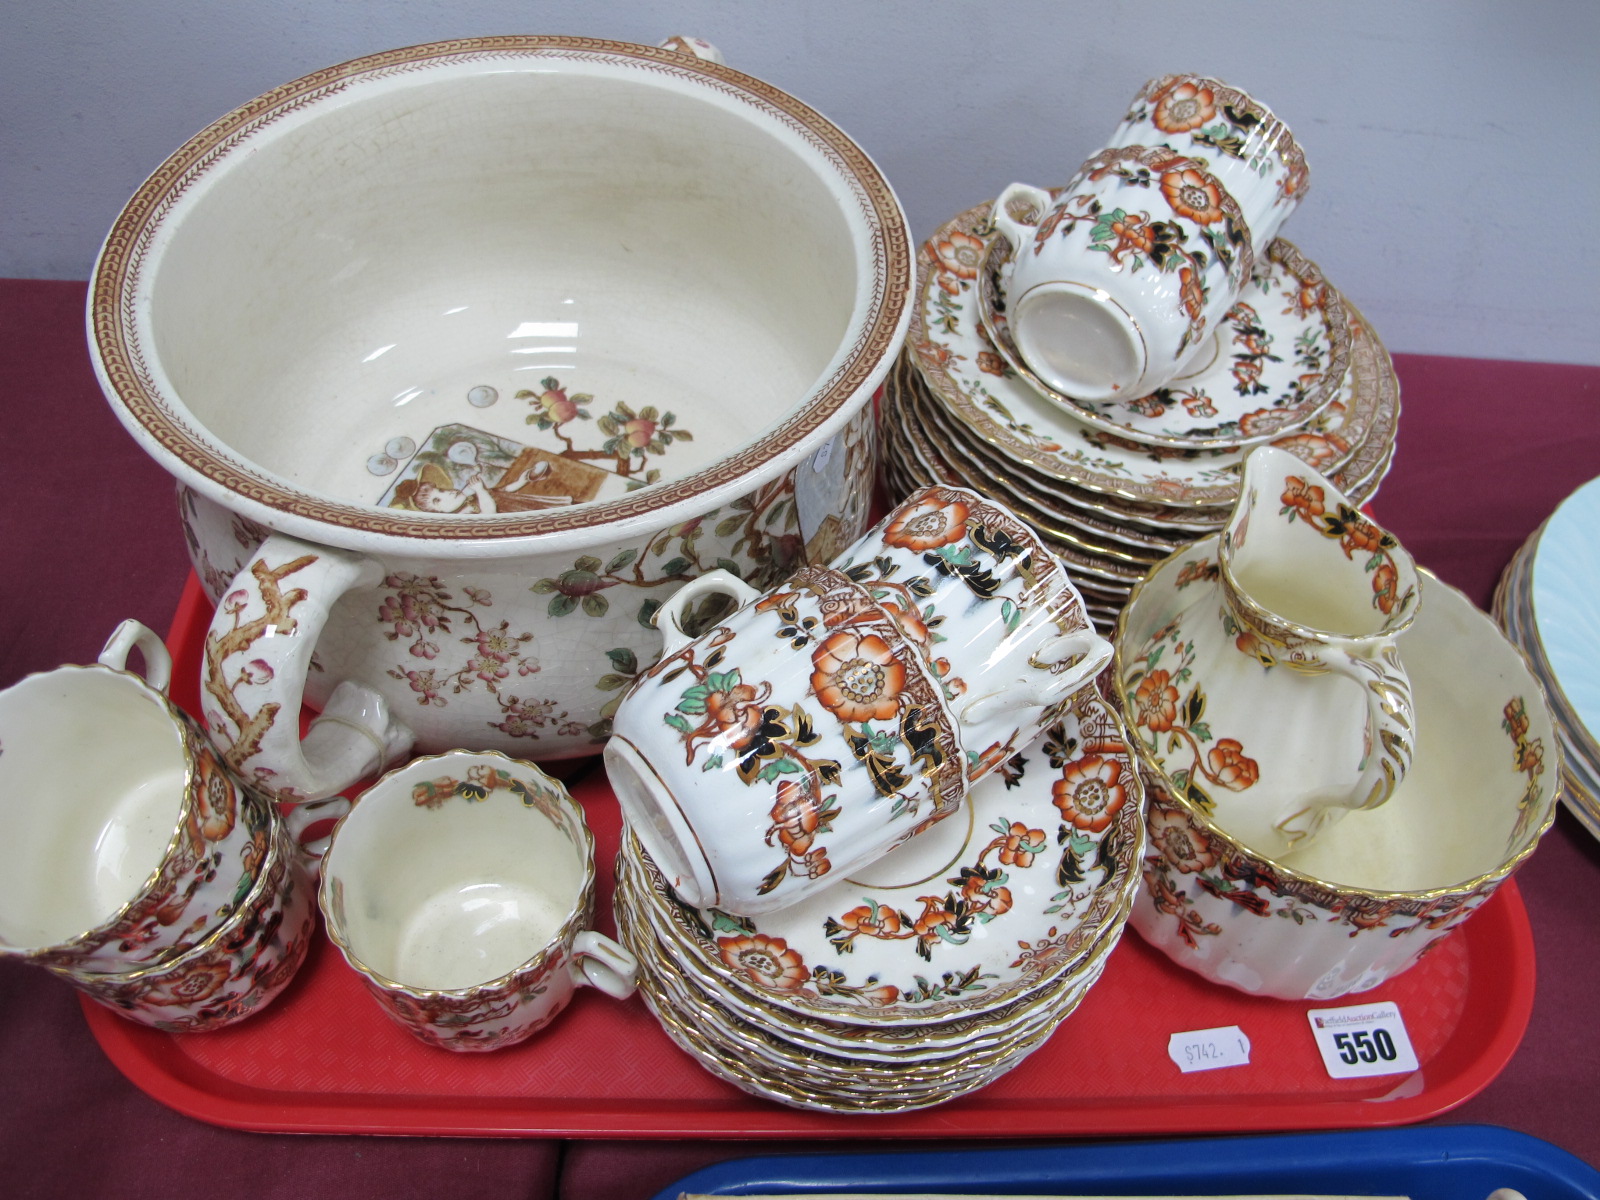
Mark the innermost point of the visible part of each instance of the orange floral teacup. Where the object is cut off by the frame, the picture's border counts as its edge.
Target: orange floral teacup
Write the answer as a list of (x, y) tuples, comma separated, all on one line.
[(461, 887), (831, 719)]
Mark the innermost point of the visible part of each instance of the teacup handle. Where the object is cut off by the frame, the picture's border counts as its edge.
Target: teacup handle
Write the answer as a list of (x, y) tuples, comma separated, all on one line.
[(1391, 739), (601, 963), (1018, 234), (157, 662), (669, 617), (1064, 664), (252, 678)]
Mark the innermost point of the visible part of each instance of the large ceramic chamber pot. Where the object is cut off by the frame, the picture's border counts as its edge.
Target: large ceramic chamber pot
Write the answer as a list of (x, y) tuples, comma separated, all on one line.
[(465, 356)]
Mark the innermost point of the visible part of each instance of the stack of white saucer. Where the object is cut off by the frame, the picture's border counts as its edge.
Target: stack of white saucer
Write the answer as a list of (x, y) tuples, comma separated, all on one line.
[(933, 972)]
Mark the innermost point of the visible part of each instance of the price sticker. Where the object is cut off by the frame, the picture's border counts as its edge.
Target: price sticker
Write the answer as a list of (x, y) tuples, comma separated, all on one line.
[(1362, 1040), (1208, 1049)]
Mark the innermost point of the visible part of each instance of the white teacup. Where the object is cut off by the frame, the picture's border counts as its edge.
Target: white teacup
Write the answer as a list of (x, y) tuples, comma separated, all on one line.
[(1234, 136), (1116, 285), (462, 887), (124, 841), (834, 717)]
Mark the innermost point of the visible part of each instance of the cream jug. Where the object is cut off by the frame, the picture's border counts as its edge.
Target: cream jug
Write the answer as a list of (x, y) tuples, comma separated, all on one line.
[(1276, 699)]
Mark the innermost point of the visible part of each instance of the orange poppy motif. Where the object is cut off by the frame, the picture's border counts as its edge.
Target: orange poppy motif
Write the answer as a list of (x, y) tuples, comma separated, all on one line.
[(767, 961), (1385, 587), (796, 818), (198, 982), (1230, 767), (1180, 843), (1090, 792), (872, 920), (1361, 535), (215, 799), (1304, 499), (857, 677), (929, 525), (1155, 702), (1183, 107), (1019, 845), (1192, 293), (958, 257), (1193, 194)]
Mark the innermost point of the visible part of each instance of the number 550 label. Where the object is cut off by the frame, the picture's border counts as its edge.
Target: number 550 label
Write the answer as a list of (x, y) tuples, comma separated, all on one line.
[(1364, 1039)]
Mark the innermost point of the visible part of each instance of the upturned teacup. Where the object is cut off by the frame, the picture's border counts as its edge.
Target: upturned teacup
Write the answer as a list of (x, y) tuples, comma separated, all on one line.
[(461, 888), (1116, 284), (828, 720), (1231, 135)]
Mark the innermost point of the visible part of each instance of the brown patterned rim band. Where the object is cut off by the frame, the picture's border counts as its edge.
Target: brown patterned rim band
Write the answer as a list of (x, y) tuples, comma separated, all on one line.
[(122, 276)]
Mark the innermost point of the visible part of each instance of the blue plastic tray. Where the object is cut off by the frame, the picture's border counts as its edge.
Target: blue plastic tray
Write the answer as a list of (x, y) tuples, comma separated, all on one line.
[(1461, 1162)]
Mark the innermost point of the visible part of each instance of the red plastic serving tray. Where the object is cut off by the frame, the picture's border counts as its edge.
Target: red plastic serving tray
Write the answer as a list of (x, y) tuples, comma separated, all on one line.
[(323, 1059)]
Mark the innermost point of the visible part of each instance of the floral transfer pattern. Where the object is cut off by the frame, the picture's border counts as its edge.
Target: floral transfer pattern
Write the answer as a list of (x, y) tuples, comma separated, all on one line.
[(1166, 706), (239, 969), (942, 538), (462, 469), (1283, 367), (1208, 230), (504, 1011), (1306, 502), (205, 876), (877, 708), (946, 340), (1202, 881), (1098, 801), (1211, 116), (419, 610)]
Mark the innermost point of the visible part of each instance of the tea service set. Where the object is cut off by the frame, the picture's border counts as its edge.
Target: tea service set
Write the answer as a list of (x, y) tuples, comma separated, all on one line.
[(1125, 651)]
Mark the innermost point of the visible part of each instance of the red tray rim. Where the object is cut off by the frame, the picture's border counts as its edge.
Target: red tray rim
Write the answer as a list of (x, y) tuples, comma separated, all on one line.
[(1502, 998)]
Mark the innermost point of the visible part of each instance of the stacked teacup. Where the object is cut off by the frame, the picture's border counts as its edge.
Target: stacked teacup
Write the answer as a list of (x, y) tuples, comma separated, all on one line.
[(133, 864), (882, 827), (1102, 355)]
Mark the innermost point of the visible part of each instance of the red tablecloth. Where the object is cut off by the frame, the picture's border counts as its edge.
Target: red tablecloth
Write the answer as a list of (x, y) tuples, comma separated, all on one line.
[(89, 536)]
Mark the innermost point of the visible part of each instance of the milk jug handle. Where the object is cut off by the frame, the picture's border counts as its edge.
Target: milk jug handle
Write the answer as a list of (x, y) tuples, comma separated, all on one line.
[(1390, 735), (252, 677)]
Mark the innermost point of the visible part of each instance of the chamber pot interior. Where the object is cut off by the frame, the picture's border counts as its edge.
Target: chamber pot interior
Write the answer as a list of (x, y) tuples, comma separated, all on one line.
[(416, 251)]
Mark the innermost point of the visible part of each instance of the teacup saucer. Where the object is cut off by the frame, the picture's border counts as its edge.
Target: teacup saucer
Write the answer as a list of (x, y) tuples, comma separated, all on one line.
[(961, 920), (1006, 417), (1274, 364)]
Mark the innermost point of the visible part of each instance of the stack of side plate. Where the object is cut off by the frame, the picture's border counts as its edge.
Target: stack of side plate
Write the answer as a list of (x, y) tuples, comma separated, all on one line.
[(1548, 602), (1116, 488), (928, 975)]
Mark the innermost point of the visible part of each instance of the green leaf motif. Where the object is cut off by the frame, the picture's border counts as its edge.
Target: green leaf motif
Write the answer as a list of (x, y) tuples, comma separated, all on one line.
[(610, 683), (624, 660), (595, 605), (561, 605), (622, 560), (647, 613), (681, 724)]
